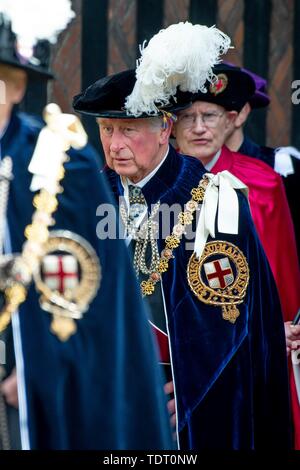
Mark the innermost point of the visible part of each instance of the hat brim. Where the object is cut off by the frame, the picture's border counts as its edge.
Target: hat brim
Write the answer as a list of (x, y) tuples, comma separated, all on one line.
[(32, 69), (107, 97), (113, 114)]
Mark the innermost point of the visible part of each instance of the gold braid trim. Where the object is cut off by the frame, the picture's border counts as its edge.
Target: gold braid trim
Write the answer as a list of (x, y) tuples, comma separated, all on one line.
[(173, 241), (37, 234), (45, 203)]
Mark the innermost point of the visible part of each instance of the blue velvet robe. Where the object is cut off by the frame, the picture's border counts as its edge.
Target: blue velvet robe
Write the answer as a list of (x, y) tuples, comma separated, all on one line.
[(102, 388), (230, 379)]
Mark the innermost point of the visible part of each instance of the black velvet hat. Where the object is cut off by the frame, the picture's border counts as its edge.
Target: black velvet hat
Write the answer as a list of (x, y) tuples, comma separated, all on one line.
[(260, 99), (9, 55), (232, 90), (106, 97)]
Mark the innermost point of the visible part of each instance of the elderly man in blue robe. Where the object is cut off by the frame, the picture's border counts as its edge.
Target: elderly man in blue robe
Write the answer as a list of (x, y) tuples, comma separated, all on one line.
[(214, 304)]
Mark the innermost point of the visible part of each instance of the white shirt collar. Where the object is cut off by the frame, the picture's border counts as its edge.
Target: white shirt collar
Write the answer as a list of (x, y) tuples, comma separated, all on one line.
[(126, 181), (212, 163)]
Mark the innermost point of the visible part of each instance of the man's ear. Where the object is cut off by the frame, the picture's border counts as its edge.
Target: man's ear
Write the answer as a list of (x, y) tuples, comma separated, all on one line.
[(230, 118), (165, 133), (243, 115)]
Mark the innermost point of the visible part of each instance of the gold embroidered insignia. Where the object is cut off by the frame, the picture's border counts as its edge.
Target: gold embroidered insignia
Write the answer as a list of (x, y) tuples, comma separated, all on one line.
[(68, 279), (220, 277), (220, 85)]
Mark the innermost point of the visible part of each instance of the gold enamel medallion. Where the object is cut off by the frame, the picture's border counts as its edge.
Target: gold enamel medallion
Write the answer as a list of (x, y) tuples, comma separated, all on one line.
[(219, 85), (68, 280), (220, 277)]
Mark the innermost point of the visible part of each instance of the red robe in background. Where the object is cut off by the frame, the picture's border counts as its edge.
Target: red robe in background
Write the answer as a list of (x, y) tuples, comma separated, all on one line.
[(272, 218)]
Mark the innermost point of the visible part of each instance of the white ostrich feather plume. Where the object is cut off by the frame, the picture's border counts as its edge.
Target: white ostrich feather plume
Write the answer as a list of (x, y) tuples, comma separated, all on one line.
[(181, 55), (32, 20)]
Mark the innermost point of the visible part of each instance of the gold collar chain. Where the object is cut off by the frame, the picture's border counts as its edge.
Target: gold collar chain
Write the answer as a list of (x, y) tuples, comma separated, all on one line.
[(143, 236), (173, 241)]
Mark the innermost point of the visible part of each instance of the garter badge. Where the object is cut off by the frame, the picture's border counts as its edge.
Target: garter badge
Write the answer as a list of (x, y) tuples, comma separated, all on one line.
[(68, 279), (221, 83), (220, 277)]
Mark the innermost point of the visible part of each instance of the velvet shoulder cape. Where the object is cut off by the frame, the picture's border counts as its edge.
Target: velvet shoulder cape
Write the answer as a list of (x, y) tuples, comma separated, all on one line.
[(231, 392)]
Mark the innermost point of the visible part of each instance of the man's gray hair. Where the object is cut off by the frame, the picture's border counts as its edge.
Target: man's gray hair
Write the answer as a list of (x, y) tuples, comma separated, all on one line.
[(155, 122)]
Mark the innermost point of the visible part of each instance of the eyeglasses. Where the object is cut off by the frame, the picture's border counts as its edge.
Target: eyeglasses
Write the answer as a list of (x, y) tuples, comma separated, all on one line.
[(208, 119)]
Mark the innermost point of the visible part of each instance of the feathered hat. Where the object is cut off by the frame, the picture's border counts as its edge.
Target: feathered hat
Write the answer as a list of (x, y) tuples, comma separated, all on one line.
[(27, 28), (177, 60)]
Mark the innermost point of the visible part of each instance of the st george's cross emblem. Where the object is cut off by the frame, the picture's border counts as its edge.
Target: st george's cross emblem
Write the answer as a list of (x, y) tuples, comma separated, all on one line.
[(68, 280), (219, 273), (60, 272), (219, 85), (220, 277)]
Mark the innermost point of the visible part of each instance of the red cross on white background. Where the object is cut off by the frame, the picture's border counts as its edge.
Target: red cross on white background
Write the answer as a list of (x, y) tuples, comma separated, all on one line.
[(61, 274), (219, 84), (219, 273)]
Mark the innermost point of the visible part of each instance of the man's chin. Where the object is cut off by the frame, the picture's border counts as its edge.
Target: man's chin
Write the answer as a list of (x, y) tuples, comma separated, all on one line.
[(200, 155), (123, 169), (122, 164)]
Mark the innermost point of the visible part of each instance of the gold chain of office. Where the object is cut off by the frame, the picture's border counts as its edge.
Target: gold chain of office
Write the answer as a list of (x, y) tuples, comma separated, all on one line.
[(37, 234), (173, 241)]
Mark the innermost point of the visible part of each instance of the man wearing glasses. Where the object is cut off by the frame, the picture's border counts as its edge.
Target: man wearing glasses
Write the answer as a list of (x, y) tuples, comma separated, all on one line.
[(201, 131)]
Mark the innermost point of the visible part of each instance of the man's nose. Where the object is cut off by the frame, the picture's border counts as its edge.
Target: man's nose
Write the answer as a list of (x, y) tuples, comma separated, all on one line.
[(116, 143), (199, 125)]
